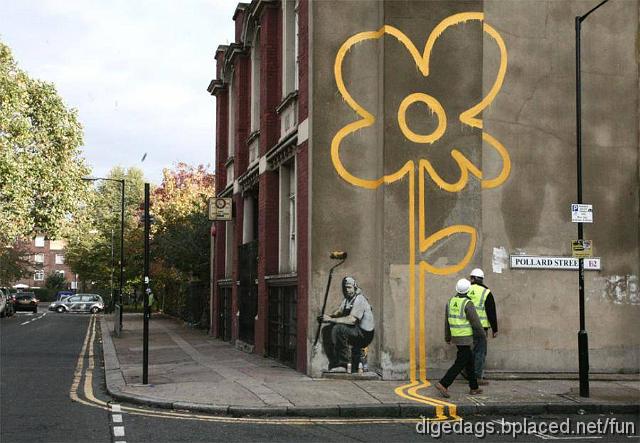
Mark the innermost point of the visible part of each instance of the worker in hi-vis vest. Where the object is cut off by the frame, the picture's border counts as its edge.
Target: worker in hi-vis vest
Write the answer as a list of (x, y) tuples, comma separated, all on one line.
[(485, 305), (461, 324)]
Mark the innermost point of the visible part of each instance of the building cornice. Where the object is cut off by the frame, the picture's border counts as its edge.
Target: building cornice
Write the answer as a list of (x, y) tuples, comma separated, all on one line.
[(249, 179), (283, 151), (216, 86), (241, 7)]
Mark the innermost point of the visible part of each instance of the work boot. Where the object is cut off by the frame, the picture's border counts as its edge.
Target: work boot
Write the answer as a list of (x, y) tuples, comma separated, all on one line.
[(475, 391), (443, 391)]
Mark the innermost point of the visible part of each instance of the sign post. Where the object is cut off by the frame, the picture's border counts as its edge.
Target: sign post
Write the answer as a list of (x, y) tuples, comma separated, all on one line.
[(145, 296)]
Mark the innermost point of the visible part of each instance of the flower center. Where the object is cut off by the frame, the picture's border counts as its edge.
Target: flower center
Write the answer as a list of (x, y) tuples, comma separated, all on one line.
[(434, 106)]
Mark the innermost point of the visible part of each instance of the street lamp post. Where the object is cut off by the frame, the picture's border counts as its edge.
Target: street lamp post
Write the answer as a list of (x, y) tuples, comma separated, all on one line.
[(583, 339), (122, 182)]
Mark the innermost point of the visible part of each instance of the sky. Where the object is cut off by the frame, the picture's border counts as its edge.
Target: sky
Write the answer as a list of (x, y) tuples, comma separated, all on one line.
[(137, 71)]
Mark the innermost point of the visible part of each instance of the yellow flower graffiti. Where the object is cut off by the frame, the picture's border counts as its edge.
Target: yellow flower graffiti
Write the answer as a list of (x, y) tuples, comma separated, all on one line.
[(418, 376)]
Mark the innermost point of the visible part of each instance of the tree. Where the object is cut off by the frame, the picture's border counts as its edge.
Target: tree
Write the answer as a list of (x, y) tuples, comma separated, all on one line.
[(181, 229), (14, 263), (93, 248), (55, 281), (40, 157), (181, 238)]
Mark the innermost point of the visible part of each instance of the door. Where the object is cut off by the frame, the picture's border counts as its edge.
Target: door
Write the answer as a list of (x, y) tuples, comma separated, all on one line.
[(74, 304), (248, 290)]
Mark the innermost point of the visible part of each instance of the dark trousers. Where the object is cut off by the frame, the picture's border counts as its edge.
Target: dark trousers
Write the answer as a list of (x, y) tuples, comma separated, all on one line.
[(464, 360), (337, 337)]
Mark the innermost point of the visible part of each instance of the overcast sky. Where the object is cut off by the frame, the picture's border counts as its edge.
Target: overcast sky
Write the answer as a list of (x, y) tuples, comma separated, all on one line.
[(136, 70)]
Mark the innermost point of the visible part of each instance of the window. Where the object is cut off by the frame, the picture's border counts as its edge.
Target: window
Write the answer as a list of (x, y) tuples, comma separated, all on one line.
[(288, 228), (39, 275), (59, 259), (56, 245), (60, 272), (228, 250), (255, 82), (38, 258), (290, 46), (250, 218), (40, 241), (232, 119)]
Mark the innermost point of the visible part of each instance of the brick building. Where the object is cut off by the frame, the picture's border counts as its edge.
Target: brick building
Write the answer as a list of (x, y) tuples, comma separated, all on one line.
[(46, 256), (260, 264)]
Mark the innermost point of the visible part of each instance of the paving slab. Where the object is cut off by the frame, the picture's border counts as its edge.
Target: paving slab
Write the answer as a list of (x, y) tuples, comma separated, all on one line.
[(190, 370)]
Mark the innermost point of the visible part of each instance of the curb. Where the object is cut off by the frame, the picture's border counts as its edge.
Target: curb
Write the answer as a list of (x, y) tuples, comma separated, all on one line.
[(116, 383)]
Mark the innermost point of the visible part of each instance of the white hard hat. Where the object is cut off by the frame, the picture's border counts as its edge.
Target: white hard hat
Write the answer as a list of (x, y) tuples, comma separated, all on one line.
[(462, 287), (477, 272)]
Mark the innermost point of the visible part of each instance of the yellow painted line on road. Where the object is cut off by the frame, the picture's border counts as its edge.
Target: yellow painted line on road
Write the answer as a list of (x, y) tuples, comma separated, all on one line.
[(90, 400)]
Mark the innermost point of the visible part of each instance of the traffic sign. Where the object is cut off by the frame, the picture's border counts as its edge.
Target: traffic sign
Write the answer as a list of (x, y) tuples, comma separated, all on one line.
[(582, 248), (581, 213)]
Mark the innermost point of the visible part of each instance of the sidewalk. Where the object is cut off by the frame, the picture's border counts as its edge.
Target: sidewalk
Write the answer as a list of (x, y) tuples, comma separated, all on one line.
[(190, 370)]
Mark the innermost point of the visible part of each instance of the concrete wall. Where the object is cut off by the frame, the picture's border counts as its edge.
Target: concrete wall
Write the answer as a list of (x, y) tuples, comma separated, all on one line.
[(401, 192)]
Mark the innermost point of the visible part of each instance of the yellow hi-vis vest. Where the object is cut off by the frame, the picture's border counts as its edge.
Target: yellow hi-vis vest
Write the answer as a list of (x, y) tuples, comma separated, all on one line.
[(458, 323), (478, 295)]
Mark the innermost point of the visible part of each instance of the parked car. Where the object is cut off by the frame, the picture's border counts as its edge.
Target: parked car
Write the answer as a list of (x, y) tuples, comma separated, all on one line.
[(79, 303), (6, 303), (26, 301)]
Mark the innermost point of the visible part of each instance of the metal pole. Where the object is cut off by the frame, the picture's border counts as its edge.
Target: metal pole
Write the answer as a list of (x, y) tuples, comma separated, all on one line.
[(145, 296), (113, 265), (583, 341), (121, 249)]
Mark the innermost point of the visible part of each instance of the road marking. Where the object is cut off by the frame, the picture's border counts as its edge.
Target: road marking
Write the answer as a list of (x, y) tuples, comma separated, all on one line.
[(117, 418), (118, 431), (90, 400), (33, 319), (77, 375)]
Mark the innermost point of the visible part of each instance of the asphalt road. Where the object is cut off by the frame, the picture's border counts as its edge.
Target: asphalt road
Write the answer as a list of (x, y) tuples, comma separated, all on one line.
[(38, 356), (46, 360)]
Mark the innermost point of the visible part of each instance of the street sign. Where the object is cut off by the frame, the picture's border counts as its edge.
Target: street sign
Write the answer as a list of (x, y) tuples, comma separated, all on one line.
[(582, 248), (581, 213), (220, 209), (553, 262)]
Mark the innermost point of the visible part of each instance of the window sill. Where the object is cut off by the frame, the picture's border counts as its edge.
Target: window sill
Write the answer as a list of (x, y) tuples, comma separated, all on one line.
[(290, 98)]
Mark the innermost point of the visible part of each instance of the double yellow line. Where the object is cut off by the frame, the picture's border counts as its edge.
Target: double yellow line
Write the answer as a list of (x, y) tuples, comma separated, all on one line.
[(86, 365)]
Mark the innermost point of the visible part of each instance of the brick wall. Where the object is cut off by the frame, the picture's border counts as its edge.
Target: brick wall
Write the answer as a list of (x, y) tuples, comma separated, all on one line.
[(303, 188), (268, 196), (270, 76), (222, 132)]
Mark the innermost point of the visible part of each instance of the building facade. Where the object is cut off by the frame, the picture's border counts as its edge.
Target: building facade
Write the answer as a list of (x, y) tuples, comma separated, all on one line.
[(46, 257), (260, 263), (427, 138)]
